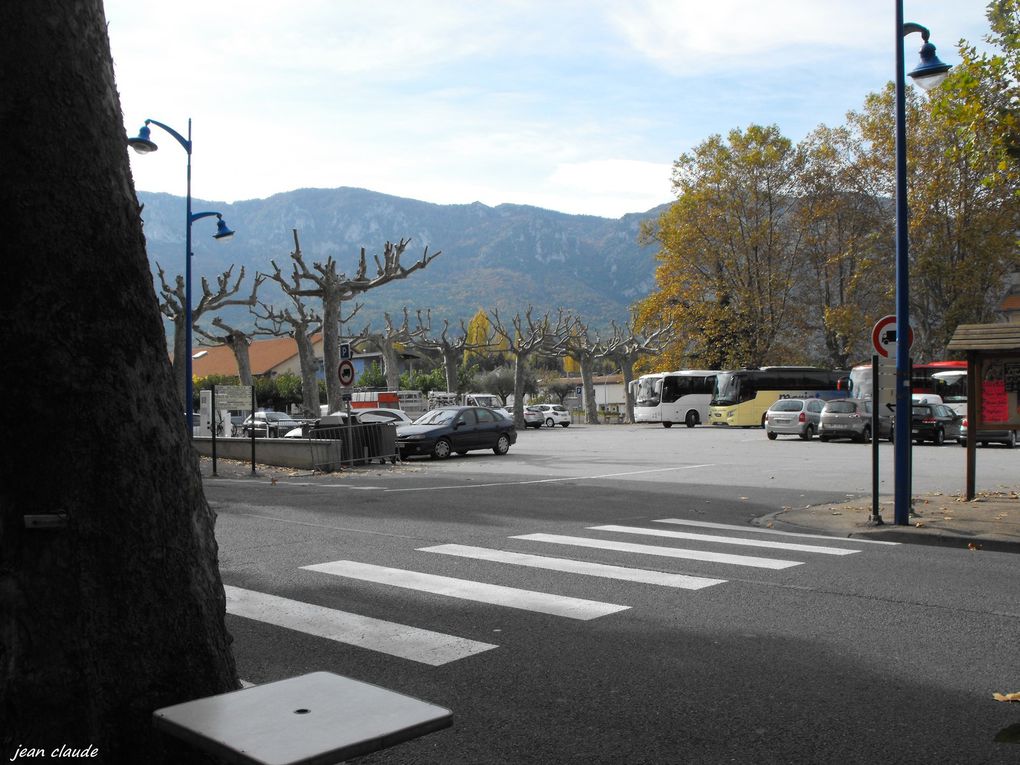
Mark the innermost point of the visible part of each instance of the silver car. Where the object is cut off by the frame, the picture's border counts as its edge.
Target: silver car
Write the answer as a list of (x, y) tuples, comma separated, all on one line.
[(794, 417), (846, 418)]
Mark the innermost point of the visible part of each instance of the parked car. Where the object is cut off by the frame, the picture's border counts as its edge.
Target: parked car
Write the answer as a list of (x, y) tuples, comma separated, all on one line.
[(271, 424), (533, 417), (793, 416), (1007, 438), (382, 414), (849, 418), (935, 423), (460, 429), (554, 414)]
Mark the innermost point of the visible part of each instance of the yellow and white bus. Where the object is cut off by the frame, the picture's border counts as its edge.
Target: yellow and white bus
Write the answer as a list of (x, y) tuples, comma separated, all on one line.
[(742, 396), (668, 397)]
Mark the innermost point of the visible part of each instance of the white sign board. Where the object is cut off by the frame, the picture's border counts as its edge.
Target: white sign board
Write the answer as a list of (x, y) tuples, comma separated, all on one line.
[(233, 397)]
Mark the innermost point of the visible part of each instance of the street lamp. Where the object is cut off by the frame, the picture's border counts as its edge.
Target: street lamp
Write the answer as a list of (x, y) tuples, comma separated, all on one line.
[(144, 145), (928, 73)]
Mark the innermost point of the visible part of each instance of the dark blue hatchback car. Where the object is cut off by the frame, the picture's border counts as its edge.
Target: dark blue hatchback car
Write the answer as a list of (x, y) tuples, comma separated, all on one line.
[(456, 429)]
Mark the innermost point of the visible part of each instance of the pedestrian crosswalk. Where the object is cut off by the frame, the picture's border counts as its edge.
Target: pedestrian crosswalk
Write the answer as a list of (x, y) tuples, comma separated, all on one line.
[(573, 554)]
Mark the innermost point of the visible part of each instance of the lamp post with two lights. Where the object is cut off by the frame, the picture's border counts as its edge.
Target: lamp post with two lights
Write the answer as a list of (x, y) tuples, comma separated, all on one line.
[(144, 145)]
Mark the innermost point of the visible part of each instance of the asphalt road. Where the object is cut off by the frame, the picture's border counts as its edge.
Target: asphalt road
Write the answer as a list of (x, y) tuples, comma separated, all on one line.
[(816, 650)]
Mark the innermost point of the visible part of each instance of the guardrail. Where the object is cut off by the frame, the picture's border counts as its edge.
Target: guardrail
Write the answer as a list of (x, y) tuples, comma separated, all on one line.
[(352, 444)]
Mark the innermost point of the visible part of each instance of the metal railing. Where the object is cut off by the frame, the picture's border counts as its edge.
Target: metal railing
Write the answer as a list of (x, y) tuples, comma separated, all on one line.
[(336, 446)]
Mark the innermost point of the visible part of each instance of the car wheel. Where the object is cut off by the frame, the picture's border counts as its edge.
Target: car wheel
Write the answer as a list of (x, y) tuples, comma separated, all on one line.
[(940, 437), (772, 436), (1011, 440), (667, 424), (565, 424), (809, 433), (549, 423), (502, 444), (823, 438), (442, 449), (691, 420), (865, 436)]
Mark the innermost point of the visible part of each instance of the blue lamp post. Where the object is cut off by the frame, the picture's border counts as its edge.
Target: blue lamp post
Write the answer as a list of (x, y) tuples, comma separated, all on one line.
[(143, 145), (928, 74)]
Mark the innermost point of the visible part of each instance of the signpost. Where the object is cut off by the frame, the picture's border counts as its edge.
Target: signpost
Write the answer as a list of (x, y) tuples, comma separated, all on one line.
[(883, 337), (237, 397), (346, 373)]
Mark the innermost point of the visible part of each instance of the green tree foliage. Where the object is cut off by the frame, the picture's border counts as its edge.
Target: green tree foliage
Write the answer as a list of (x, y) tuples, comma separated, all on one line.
[(728, 253), (846, 230), (425, 382), (373, 377), (963, 213)]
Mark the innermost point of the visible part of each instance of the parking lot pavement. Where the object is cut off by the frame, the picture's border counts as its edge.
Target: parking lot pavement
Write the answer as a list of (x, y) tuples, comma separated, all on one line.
[(991, 521)]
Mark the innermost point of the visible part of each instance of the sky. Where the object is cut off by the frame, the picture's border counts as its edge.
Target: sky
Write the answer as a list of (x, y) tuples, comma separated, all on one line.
[(579, 107)]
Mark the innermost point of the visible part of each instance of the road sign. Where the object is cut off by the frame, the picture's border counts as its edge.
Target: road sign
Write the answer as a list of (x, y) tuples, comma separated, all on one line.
[(883, 337), (345, 350), (233, 397), (577, 390), (346, 373)]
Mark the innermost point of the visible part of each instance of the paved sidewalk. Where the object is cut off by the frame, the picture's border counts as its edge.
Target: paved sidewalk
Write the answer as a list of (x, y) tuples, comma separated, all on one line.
[(991, 521)]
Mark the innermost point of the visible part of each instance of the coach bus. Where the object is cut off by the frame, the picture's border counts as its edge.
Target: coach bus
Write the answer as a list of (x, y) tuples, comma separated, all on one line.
[(668, 397), (742, 396), (947, 379)]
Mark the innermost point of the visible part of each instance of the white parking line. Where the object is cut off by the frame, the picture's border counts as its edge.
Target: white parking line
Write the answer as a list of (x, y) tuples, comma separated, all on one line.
[(548, 480), (667, 552), (739, 541), (735, 527), (641, 575), (423, 646), (494, 594)]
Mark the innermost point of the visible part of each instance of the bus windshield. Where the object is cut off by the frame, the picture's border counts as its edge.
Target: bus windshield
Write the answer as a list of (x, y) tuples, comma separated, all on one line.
[(728, 390), (648, 390)]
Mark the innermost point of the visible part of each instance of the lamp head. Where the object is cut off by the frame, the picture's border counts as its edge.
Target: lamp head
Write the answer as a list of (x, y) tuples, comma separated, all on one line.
[(223, 232), (141, 142), (930, 72)]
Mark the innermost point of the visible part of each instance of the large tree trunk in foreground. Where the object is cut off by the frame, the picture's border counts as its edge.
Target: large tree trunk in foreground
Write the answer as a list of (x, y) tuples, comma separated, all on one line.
[(121, 611)]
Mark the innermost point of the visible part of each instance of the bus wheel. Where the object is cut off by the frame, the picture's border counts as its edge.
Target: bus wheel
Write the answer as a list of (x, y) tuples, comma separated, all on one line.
[(667, 424), (691, 420)]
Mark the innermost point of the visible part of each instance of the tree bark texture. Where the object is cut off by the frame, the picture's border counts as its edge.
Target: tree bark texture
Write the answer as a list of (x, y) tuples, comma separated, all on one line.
[(121, 611)]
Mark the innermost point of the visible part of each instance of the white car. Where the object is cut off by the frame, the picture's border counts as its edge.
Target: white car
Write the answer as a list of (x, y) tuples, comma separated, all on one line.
[(553, 414), (396, 416)]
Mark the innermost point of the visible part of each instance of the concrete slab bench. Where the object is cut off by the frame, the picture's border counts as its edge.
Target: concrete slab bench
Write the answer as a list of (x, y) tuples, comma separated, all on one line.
[(314, 719)]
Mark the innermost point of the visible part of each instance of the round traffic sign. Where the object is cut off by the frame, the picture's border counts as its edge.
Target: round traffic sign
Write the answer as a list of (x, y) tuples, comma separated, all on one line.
[(346, 372), (883, 336)]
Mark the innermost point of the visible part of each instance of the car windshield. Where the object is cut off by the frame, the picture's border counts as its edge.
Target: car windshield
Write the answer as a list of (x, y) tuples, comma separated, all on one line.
[(788, 405), (922, 411), (436, 417)]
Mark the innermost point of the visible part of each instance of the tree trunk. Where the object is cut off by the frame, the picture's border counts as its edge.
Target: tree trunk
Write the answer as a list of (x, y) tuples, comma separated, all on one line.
[(331, 348), (239, 345), (391, 362), (450, 363), (179, 368), (520, 364), (591, 412), (121, 610), (627, 367), (309, 378)]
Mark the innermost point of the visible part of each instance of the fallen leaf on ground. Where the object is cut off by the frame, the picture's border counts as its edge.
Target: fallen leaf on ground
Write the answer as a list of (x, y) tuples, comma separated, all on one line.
[(1008, 697), (973, 546), (919, 524)]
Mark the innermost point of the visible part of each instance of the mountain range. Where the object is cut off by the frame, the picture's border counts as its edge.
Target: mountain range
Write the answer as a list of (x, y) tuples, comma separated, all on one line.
[(507, 257)]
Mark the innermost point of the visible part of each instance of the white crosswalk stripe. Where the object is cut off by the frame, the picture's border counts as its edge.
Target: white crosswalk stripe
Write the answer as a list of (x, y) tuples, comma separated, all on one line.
[(775, 532), (494, 594), (642, 576), (667, 552), (739, 541), (424, 646)]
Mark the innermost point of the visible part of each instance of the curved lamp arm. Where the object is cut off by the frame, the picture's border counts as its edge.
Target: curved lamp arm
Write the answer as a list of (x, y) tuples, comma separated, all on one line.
[(186, 143)]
